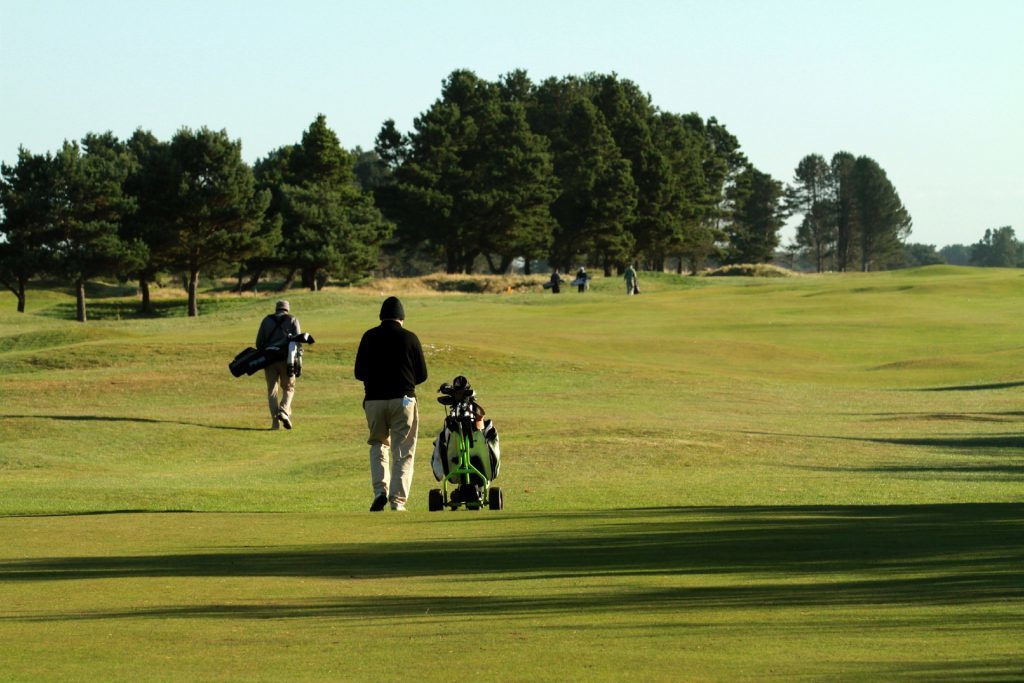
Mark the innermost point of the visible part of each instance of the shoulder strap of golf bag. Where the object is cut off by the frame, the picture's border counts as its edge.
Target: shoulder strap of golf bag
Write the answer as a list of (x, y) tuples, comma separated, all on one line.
[(278, 321)]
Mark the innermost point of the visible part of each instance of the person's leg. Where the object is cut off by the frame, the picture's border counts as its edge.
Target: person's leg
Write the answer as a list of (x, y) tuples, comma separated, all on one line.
[(380, 442), (405, 425), (287, 390), (271, 376)]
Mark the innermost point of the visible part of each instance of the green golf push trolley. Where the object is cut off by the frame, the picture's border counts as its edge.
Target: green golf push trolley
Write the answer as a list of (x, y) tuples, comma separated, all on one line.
[(466, 458)]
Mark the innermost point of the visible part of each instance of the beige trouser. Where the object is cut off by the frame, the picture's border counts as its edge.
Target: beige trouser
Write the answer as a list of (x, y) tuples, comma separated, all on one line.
[(394, 426), (278, 383)]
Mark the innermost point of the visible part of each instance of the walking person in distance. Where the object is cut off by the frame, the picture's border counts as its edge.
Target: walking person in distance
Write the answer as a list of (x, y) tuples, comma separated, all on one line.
[(274, 331), (390, 364), (632, 285)]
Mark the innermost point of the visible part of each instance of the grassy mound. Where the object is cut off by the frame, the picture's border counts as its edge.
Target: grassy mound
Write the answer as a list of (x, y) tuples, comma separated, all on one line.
[(470, 284), (749, 270)]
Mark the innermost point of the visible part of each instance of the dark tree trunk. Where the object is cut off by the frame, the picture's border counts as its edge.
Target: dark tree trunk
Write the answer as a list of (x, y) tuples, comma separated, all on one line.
[(254, 280), (193, 285), (490, 265), (288, 281), (527, 270), (451, 260), (146, 307), (18, 291), (80, 301), (467, 261)]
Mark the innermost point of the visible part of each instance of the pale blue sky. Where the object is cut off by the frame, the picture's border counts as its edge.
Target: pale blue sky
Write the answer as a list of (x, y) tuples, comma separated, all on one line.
[(933, 91)]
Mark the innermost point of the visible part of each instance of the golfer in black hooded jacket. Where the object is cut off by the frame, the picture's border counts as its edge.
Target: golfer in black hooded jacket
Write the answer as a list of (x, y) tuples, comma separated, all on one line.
[(390, 364)]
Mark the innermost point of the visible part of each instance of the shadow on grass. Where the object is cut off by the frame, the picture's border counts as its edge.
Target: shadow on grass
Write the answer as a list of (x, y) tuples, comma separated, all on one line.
[(142, 420), (975, 387), (742, 557), (124, 309), (986, 442), (970, 669), (1004, 451), (997, 416), (120, 306)]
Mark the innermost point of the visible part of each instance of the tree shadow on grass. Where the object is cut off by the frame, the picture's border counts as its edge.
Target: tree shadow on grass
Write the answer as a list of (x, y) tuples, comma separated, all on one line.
[(114, 418), (997, 416), (966, 442), (988, 670), (1005, 453), (975, 387), (118, 306), (733, 557)]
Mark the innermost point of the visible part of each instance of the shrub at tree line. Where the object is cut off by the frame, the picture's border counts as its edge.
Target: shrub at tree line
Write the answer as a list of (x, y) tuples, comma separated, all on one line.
[(566, 171)]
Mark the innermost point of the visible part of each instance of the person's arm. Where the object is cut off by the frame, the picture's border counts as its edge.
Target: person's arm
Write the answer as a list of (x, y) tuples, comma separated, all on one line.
[(419, 363), (261, 334), (362, 360)]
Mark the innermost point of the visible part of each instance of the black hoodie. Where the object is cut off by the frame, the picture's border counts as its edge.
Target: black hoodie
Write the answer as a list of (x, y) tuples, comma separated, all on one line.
[(390, 362)]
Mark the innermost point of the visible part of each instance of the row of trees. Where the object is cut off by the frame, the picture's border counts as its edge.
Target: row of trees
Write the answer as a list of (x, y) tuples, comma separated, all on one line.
[(570, 170), (567, 171), (141, 207), (853, 218), (998, 248)]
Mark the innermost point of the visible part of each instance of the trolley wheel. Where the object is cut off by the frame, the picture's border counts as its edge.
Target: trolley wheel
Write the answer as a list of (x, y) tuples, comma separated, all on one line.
[(495, 501), (435, 500)]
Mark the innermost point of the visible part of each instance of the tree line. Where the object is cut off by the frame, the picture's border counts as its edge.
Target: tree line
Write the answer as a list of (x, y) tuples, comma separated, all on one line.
[(567, 171), (998, 248), (853, 218), (141, 207)]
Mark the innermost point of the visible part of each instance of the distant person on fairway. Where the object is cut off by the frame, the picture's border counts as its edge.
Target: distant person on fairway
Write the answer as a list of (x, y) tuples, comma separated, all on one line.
[(556, 282), (629, 275), (274, 331), (390, 364), (581, 280)]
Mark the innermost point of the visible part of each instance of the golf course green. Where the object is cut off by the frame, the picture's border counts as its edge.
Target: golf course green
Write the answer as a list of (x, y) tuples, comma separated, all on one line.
[(809, 477)]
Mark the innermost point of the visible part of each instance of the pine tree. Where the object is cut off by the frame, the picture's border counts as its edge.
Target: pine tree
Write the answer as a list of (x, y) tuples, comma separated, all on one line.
[(884, 221), (26, 195), (758, 215), (810, 194), (88, 206), (218, 211), (329, 226)]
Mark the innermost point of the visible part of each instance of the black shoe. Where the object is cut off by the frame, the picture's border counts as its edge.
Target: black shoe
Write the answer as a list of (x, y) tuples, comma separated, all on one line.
[(379, 503), (284, 420)]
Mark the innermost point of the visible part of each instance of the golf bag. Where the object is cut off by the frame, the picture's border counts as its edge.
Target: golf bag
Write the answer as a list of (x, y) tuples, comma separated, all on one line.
[(460, 431), (252, 360), (484, 452)]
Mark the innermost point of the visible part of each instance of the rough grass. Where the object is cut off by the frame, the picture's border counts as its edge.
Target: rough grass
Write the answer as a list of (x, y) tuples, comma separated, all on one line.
[(815, 477)]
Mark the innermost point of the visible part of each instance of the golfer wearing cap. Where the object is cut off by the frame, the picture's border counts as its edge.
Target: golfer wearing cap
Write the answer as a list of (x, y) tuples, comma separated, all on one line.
[(274, 331), (390, 364)]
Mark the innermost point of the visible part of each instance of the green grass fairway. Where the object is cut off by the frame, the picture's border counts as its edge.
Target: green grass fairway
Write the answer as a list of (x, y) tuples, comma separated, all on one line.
[(727, 479)]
